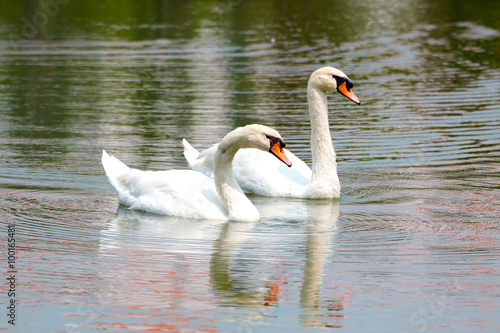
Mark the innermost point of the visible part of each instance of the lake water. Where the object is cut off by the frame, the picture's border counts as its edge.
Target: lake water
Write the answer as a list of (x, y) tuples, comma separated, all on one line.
[(412, 245)]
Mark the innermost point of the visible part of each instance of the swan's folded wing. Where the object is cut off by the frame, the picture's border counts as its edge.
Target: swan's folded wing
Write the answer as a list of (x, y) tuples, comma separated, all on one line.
[(175, 192), (261, 173)]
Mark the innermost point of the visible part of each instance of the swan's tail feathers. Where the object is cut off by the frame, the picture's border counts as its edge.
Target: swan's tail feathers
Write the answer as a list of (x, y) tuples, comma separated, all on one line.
[(112, 165), (190, 153), (115, 169)]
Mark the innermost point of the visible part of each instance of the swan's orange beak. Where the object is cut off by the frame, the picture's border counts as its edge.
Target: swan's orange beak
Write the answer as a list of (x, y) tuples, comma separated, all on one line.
[(277, 150), (348, 93)]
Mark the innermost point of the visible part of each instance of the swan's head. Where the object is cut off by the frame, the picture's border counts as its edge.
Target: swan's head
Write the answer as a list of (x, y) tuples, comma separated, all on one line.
[(332, 79), (259, 137)]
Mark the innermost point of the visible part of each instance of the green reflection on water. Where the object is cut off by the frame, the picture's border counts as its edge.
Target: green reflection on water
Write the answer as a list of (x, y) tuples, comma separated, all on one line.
[(151, 70)]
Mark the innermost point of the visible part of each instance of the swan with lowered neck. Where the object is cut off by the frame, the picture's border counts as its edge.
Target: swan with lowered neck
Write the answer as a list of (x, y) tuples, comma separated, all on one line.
[(189, 193), (299, 181)]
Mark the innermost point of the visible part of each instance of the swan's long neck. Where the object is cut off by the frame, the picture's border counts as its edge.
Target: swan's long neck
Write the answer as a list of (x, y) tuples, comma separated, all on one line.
[(237, 205), (324, 165)]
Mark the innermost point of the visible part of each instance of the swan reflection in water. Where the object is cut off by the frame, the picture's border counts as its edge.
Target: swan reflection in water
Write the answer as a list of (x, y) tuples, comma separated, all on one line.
[(202, 264), (320, 222)]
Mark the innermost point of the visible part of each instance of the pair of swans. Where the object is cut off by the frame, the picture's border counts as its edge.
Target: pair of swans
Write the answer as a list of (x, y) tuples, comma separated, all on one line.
[(194, 194)]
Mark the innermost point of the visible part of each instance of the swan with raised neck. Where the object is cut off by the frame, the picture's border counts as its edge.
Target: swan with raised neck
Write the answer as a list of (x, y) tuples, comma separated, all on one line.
[(324, 179), (300, 181)]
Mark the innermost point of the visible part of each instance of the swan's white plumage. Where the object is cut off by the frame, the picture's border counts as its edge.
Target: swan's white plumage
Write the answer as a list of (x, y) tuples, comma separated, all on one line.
[(190, 153), (250, 174), (191, 194), (174, 192), (285, 181), (202, 162), (259, 173)]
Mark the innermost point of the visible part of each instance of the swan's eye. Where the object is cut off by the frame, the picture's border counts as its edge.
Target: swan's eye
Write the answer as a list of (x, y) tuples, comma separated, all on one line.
[(267, 136), (339, 80)]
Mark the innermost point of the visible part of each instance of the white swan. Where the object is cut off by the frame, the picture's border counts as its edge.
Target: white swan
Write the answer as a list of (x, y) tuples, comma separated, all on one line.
[(189, 193), (299, 181)]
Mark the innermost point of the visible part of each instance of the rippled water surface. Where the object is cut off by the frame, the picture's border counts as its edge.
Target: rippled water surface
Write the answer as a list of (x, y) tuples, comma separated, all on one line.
[(411, 246)]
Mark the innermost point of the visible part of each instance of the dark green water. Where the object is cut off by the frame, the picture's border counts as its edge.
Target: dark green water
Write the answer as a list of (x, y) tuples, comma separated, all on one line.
[(411, 246)]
